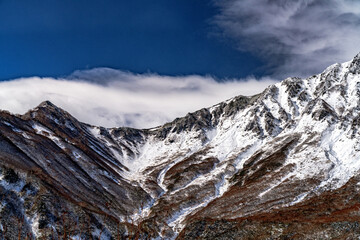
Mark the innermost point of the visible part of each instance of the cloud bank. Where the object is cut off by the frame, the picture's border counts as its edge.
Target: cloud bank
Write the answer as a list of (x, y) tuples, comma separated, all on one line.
[(295, 37), (113, 98)]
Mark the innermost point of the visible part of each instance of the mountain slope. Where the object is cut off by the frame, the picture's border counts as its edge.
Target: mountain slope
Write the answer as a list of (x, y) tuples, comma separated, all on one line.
[(283, 163)]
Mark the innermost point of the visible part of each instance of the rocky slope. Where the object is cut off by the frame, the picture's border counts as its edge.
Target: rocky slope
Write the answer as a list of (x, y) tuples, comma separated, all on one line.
[(283, 164)]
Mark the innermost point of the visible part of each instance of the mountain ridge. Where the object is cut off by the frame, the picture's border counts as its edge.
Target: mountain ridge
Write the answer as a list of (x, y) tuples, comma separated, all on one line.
[(220, 172)]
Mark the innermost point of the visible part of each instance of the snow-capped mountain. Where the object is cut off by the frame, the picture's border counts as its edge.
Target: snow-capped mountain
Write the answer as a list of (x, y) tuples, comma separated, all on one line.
[(284, 164)]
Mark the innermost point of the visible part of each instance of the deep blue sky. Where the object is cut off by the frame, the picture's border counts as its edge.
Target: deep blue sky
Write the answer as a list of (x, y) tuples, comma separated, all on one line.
[(56, 37)]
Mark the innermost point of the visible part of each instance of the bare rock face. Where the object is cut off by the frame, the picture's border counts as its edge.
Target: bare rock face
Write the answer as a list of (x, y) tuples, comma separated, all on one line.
[(283, 164)]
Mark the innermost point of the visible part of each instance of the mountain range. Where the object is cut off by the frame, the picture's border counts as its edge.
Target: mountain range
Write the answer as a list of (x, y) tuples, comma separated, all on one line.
[(283, 164)]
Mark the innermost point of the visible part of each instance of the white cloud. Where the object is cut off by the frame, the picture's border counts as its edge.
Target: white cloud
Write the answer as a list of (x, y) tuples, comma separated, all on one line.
[(297, 38), (110, 98)]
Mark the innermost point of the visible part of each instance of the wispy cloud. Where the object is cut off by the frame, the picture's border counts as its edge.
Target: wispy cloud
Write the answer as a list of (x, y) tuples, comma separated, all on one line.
[(295, 38), (112, 98)]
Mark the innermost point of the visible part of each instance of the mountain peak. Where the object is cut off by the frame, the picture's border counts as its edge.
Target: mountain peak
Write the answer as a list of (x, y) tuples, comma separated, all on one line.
[(47, 103), (357, 56), (46, 107), (355, 65), (53, 117)]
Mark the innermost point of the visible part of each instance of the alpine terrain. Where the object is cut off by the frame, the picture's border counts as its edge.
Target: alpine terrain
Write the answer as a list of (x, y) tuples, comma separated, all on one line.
[(284, 164)]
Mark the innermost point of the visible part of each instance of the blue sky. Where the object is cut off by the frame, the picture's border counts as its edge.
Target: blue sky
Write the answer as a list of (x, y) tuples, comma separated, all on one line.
[(141, 63), (170, 37)]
